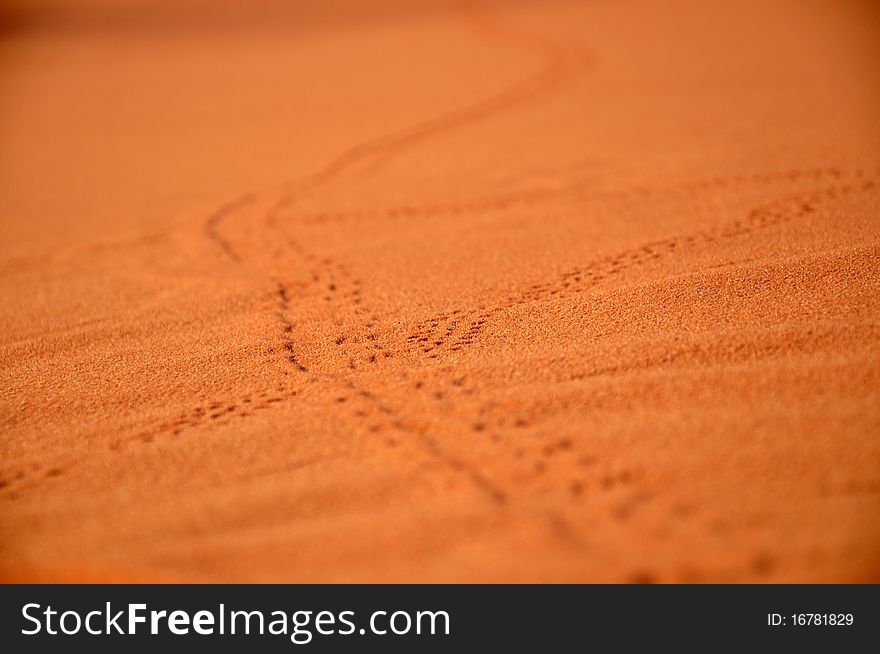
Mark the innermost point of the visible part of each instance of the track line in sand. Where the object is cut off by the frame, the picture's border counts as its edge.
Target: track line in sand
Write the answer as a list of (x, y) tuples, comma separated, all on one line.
[(212, 224), (436, 332), (560, 64)]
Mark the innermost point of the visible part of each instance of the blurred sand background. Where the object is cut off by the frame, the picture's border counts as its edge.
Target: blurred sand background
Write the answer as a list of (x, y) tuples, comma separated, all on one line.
[(438, 291)]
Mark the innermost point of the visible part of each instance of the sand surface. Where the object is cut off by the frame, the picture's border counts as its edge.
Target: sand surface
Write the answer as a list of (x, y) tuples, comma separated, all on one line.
[(399, 291)]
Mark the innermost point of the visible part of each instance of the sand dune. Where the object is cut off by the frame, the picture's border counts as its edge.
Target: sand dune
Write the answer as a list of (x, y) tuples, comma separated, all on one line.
[(531, 291)]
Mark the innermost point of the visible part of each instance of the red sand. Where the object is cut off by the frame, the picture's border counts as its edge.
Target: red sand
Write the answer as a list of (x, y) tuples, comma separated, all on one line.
[(535, 291)]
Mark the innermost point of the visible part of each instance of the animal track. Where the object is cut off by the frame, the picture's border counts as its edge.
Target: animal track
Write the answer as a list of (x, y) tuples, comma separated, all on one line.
[(212, 224), (341, 294), (213, 413), (209, 414), (578, 191), (338, 286), (436, 332), (287, 328), (384, 419)]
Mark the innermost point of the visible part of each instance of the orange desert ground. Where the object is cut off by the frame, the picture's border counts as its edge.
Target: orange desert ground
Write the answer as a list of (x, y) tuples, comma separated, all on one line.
[(438, 291)]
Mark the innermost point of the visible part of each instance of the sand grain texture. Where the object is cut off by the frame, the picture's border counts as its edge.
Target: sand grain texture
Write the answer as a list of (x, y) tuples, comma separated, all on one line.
[(527, 291)]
